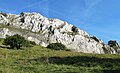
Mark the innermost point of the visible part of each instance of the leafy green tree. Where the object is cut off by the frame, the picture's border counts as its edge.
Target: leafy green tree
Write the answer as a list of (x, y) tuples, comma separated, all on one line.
[(15, 41)]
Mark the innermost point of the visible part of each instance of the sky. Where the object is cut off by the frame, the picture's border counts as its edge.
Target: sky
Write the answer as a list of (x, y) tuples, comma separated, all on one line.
[(99, 18)]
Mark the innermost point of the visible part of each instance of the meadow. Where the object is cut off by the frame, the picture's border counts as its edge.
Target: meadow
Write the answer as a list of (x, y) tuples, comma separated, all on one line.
[(38, 59)]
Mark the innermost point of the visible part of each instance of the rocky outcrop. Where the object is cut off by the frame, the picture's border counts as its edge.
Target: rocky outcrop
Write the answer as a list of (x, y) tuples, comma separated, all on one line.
[(44, 31)]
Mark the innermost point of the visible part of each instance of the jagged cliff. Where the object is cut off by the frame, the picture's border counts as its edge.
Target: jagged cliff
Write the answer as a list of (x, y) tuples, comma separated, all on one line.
[(42, 30)]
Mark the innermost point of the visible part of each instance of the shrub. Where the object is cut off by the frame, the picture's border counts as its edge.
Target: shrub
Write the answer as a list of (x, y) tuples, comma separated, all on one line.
[(56, 46), (22, 13), (95, 38), (4, 14), (112, 43), (75, 29), (32, 43), (15, 41)]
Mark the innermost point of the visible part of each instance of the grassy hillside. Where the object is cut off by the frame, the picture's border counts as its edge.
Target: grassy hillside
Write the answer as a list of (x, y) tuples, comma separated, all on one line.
[(38, 59)]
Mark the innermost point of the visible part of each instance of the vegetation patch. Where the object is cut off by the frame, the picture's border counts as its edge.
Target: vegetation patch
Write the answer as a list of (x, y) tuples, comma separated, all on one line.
[(39, 59), (56, 46), (16, 41)]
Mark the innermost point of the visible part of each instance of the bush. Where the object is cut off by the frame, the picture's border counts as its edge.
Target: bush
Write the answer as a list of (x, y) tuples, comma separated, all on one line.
[(75, 29), (56, 46), (32, 43), (4, 14), (113, 43), (15, 41), (95, 38)]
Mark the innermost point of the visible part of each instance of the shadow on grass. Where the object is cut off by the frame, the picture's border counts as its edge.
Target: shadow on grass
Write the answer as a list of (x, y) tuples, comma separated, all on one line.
[(79, 60), (109, 65), (111, 71), (4, 47)]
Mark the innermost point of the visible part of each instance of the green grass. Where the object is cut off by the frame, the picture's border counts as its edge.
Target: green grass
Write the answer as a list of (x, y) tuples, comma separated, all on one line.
[(38, 59)]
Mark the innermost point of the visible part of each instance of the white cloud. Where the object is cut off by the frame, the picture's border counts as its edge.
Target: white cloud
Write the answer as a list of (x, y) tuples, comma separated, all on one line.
[(90, 4), (30, 5)]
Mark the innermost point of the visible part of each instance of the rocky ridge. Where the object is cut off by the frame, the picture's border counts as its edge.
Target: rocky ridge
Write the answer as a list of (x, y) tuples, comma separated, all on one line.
[(44, 31)]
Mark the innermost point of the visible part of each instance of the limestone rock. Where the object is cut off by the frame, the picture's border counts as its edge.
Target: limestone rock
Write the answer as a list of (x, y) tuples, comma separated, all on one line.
[(44, 31)]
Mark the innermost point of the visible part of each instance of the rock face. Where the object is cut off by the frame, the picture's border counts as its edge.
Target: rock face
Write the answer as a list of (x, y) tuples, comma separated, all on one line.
[(44, 31)]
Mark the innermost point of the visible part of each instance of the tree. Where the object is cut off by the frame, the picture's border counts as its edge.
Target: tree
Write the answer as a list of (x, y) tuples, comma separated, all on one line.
[(56, 46), (15, 41), (113, 43)]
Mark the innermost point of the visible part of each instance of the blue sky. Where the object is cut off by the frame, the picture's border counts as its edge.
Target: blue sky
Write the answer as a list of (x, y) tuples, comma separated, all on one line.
[(98, 17)]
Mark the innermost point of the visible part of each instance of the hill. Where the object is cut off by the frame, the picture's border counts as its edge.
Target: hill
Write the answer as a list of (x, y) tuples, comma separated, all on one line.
[(38, 59), (43, 31)]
